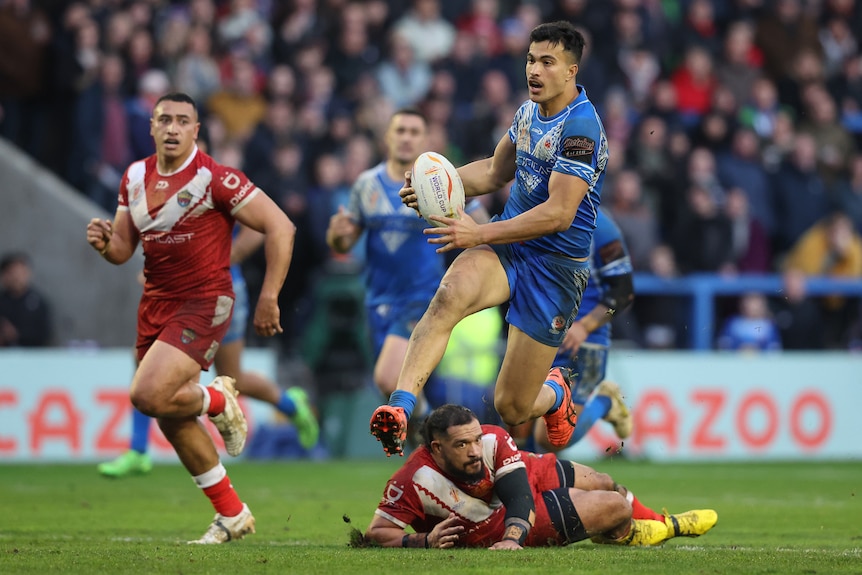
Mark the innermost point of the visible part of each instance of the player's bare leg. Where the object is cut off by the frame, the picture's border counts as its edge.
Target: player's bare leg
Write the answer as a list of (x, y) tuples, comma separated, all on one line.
[(475, 280), (165, 387)]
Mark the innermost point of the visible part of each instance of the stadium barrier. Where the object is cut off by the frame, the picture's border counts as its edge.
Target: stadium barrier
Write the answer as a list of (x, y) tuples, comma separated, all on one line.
[(703, 289), (72, 406)]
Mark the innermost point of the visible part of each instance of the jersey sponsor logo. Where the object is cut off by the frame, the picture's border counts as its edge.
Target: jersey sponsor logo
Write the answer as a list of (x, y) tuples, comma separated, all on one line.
[(243, 191), (393, 493), (167, 238), (188, 336), (184, 198), (231, 181), (579, 149), (161, 185)]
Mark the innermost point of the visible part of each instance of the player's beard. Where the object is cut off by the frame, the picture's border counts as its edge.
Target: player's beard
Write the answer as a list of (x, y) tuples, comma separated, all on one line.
[(461, 473)]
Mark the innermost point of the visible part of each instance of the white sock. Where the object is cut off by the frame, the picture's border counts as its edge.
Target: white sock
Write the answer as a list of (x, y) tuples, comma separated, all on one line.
[(211, 477)]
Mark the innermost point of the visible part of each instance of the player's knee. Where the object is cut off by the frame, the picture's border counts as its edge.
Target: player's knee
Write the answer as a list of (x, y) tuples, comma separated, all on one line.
[(144, 401), (511, 412), (448, 301)]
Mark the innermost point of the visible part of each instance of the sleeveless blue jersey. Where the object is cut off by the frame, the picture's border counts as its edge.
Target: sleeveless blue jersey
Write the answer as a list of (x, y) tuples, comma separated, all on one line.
[(606, 232), (572, 142), (400, 264)]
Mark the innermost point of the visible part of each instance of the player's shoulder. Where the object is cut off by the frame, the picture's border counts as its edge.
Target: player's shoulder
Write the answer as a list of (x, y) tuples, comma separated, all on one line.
[(138, 170)]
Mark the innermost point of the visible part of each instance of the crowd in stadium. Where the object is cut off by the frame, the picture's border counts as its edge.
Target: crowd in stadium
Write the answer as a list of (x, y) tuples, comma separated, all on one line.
[(735, 127)]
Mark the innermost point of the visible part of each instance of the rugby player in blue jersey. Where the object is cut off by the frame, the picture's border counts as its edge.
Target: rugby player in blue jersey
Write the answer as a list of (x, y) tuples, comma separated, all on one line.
[(402, 269), (533, 256)]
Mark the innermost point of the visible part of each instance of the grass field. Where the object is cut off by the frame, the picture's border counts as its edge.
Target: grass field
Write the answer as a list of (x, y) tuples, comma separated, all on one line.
[(803, 518)]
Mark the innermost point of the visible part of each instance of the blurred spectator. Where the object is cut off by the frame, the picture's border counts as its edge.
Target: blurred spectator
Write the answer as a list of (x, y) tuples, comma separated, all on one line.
[(648, 155), (835, 146), (761, 110), (800, 196), (702, 237), (798, 316), (699, 27), (296, 24), (694, 81), (750, 249), (351, 55), (197, 72), (25, 315), (640, 69), (846, 88), (152, 85), (831, 248), (478, 134), (779, 146), (429, 34), (24, 37), (403, 80), (480, 22), (244, 25), (102, 150), (742, 167), (807, 71), (633, 216), (277, 128), (847, 194), (239, 105), (141, 57), (838, 44), (739, 68), (661, 319), (752, 329), (783, 31)]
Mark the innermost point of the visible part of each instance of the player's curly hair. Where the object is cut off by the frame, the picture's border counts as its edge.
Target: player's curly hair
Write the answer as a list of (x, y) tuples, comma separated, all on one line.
[(439, 421), (560, 32)]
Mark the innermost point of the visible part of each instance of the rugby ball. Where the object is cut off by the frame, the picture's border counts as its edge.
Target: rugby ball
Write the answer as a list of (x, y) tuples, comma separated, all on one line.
[(438, 187)]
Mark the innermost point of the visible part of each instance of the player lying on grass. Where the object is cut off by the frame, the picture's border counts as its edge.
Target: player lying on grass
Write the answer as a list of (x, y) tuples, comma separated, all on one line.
[(469, 486)]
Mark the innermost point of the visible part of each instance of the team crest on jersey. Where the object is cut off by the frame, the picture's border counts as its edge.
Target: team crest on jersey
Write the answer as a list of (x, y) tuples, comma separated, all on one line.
[(184, 198), (188, 336), (558, 324), (210, 353)]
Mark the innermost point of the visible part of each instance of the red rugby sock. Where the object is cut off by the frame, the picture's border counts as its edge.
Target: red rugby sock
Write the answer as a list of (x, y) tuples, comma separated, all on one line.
[(224, 498), (216, 402), (641, 511)]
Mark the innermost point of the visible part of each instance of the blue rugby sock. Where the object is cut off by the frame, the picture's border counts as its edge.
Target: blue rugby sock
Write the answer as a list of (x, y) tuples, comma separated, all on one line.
[(404, 400), (286, 405), (596, 408), (559, 395), (140, 431)]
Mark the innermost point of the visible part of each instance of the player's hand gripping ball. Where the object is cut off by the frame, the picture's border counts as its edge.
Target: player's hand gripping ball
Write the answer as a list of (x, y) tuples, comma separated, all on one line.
[(438, 187)]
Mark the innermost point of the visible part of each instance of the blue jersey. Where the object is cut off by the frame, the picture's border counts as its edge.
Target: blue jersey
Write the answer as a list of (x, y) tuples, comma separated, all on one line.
[(571, 142), (604, 263), (401, 265)]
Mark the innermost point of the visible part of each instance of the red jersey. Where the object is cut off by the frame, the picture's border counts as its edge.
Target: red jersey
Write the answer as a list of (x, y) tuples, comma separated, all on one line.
[(185, 220), (422, 495)]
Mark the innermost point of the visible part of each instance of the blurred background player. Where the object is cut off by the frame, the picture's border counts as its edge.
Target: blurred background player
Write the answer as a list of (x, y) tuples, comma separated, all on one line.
[(543, 501), (292, 402), (181, 205), (584, 352), (402, 270), (534, 256)]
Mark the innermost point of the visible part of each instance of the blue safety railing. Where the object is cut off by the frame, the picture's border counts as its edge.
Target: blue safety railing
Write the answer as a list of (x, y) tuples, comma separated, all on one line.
[(703, 289)]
